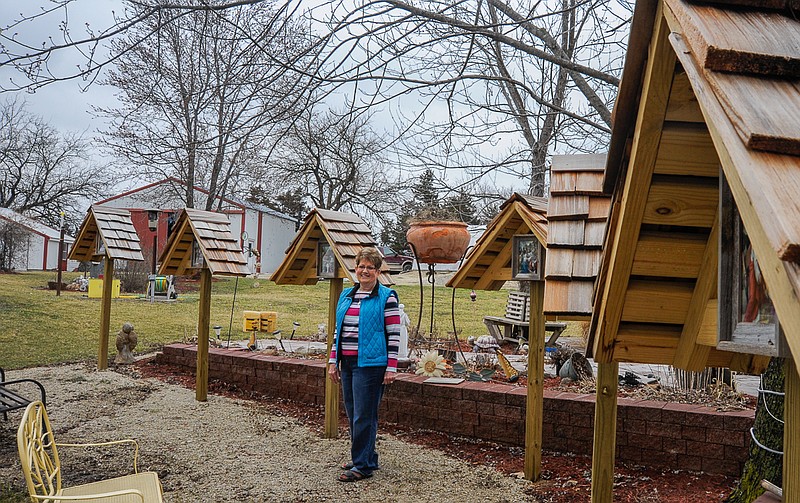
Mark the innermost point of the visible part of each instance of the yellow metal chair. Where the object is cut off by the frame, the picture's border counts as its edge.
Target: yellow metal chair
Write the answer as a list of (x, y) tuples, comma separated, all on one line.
[(38, 453)]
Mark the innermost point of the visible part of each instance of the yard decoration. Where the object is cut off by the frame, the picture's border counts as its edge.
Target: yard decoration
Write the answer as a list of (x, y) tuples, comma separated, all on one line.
[(431, 364), (126, 343), (488, 266), (106, 234), (438, 242), (708, 97), (202, 241), (338, 236)]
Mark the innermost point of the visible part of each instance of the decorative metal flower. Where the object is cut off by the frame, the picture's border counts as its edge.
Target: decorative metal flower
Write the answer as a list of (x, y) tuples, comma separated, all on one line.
[(431, 364)]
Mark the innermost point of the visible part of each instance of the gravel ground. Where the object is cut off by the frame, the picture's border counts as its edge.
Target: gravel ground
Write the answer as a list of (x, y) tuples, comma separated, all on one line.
[(228, 449)]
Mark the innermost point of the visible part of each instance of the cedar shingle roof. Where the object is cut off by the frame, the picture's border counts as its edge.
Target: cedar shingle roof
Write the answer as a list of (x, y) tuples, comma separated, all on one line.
[(114, 227), (346, 233), (576, 215), (212, 231), (488, 264)]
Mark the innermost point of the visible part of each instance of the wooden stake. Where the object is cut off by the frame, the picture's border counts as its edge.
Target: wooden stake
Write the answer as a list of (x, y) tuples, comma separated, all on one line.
[(105, 314), (203, 321), (331, 388), (605, 432), (534, 405)]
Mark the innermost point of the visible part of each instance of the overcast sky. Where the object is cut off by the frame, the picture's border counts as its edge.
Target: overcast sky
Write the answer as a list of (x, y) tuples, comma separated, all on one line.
[(64, 104)]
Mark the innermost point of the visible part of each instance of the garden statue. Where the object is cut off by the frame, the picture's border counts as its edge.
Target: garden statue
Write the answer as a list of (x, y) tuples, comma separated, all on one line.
[(126, 342)]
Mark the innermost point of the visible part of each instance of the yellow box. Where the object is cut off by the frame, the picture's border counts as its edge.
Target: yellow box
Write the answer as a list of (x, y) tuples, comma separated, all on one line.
[(269, 321), (96, 289), (252, 321)]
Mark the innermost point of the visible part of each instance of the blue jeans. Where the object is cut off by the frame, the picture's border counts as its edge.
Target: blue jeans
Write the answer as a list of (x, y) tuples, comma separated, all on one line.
[(362, 389)]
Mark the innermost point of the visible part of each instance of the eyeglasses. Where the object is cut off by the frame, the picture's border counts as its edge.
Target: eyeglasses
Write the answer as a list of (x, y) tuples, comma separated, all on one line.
[(366, 268)]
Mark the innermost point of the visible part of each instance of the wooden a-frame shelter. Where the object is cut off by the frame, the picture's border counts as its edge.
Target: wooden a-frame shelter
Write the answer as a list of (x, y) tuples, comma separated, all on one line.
[(345, 234), (202, 241), (487, 266), (106, 233), (707, 120)]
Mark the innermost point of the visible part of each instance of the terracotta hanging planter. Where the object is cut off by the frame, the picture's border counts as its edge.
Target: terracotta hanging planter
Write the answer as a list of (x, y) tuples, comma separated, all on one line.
[(438, 242)]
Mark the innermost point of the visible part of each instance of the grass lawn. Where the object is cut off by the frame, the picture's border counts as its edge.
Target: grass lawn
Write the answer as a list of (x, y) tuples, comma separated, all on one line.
[(39, 328)]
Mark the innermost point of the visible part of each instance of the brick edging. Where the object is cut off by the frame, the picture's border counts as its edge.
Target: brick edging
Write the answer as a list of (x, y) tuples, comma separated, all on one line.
[(649, 433)]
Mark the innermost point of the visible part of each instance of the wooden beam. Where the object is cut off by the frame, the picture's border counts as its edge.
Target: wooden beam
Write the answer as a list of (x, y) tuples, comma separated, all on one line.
[(791, 433), (534, 406), (331, 388), (647, 136), (687, 149), (605, 433), (498, 269), (682, 201), (669, 254), (203, 322), (105, 314), (708, 334), (690, 355), (657, 301)]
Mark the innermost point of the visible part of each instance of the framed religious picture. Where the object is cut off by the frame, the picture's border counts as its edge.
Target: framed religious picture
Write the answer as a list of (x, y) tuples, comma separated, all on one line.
[(527, 258), (198, 262), (747, 322), (326, 261), (99, 246)]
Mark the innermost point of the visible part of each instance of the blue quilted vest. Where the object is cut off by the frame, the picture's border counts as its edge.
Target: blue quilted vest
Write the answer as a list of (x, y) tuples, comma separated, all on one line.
[(372, 337)]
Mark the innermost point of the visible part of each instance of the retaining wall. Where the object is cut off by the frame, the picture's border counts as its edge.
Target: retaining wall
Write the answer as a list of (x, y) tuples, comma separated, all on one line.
[(649, 433)]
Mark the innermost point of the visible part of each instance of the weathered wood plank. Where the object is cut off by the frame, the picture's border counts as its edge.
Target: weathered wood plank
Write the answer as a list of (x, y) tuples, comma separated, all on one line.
[(599, 208), (743, 41), (564, 181), (564, 207), (667, 254), (572, 297), (565, 233), (593, 234), (687, 149), (559, 263), (585, 264), (578, 162), (657, 302), (683, 106), (589, 183), (683, 201)]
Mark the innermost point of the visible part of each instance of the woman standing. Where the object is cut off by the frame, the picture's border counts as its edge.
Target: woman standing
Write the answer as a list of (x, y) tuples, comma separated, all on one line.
[(364, 358)]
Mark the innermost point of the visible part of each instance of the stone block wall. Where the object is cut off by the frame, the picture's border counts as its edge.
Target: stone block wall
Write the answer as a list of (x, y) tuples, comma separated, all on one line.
[(649, 433)]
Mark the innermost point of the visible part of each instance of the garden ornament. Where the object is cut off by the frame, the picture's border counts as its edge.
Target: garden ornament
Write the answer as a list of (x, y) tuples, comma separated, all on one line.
[(126, 342)]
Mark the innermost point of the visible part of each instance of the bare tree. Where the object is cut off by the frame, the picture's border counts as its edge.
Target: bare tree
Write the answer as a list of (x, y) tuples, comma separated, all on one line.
[(203, 96), (484, 72), (44, 172), (338, 163)]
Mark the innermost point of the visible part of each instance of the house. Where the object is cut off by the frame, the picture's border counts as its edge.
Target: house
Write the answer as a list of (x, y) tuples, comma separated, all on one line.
[(702, 255), (28, 245), (263, 233)]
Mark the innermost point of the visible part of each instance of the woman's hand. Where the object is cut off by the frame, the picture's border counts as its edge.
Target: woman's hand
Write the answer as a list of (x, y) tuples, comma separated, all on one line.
[(388, 377), (333, 372)]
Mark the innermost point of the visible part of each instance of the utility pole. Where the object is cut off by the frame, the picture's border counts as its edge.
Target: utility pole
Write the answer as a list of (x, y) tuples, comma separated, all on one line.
[(60, 253)]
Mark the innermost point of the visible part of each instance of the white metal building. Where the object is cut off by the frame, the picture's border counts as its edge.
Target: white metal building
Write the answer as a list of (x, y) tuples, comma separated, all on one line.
[(40, 249)]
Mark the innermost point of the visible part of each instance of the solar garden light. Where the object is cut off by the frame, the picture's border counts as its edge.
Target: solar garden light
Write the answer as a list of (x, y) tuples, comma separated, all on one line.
[(217, 330), (295, 326)]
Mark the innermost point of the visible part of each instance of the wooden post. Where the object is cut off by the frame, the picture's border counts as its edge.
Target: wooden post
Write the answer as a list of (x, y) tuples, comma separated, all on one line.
[(534, 405), (791, 434), (203, 321), (105, 314), (331, 388), (605, 432)]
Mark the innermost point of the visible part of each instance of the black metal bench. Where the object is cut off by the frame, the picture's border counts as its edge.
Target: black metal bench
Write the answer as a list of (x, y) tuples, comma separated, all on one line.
[(514, 324), (12, 399)]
